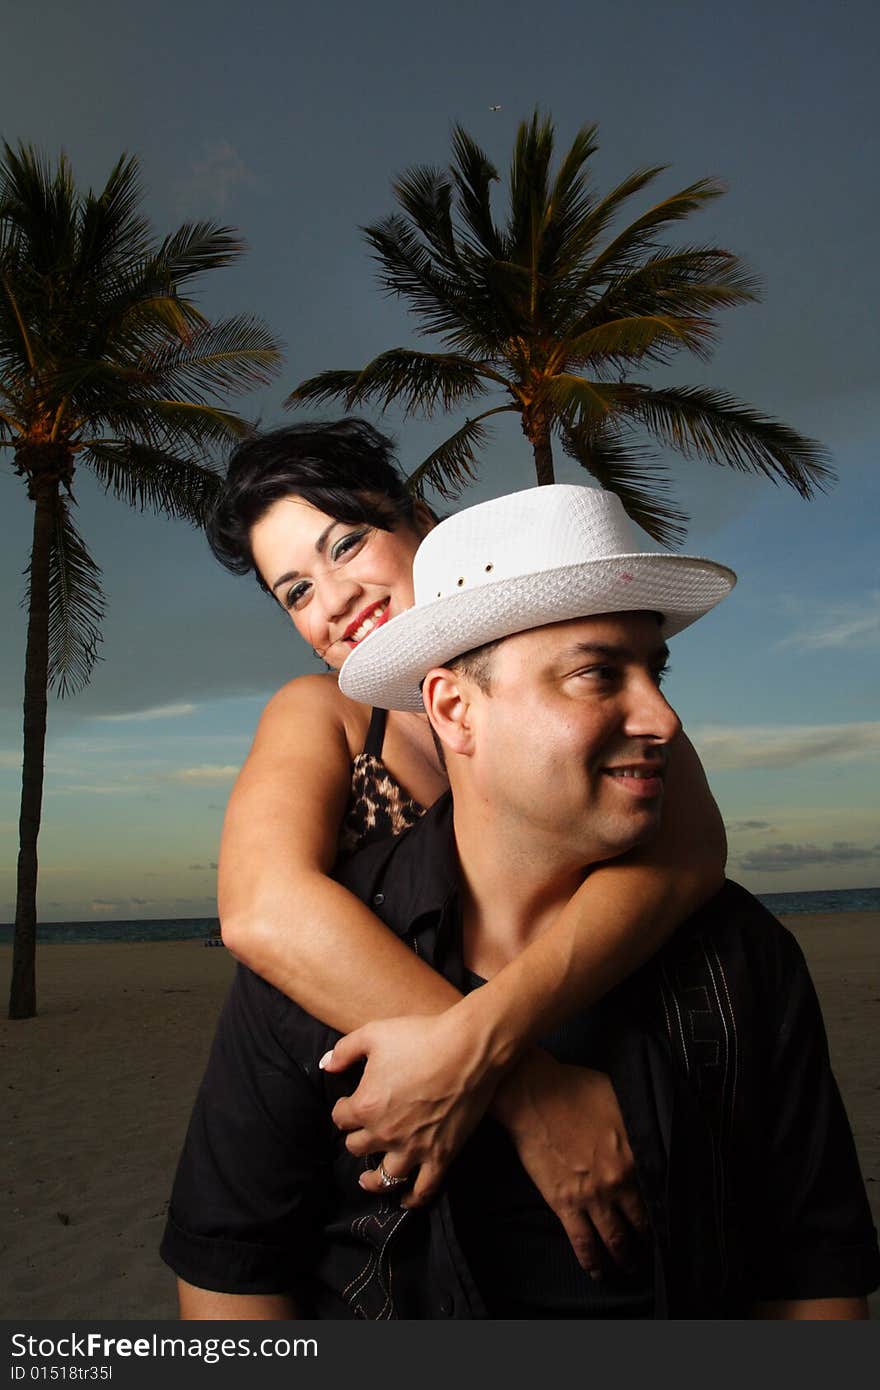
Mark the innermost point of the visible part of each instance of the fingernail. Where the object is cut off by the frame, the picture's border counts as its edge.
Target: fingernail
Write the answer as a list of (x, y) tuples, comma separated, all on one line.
[(325, 1060), (362, 1180)]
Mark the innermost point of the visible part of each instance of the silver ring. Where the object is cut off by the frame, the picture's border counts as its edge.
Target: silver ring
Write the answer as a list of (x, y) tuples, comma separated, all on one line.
[(387, 1180)]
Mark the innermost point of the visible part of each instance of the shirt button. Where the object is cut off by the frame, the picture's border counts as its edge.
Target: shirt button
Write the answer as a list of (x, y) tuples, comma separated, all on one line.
[(378, 899), (447, 1305)]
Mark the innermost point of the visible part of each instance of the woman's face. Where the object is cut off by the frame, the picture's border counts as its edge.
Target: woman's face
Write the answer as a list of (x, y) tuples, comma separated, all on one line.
[(338, 580)]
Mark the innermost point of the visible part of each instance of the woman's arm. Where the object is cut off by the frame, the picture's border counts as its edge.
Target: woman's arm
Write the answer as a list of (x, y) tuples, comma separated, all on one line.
[(280, 913)]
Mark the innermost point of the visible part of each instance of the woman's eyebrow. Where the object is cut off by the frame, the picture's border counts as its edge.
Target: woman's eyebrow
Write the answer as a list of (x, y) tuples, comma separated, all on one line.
[(319, 546)]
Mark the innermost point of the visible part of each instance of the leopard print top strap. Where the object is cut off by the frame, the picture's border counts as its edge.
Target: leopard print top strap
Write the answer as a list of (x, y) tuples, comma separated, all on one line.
[(378, 805)]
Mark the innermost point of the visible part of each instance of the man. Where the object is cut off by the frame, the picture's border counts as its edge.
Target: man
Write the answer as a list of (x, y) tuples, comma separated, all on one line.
[(556, 737)]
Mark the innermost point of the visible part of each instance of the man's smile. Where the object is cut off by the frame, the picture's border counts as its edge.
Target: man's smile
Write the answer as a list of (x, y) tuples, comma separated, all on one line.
[(639, 779)]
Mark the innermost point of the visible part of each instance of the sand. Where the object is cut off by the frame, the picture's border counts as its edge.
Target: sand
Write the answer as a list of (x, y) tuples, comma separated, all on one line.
[(97, 1091)]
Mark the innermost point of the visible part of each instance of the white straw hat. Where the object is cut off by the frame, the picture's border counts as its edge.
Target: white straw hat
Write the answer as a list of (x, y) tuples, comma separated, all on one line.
[(519, 562)]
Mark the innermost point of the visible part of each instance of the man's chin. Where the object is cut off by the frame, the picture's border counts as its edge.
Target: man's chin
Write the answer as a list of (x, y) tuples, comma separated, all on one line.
[(638, 830)]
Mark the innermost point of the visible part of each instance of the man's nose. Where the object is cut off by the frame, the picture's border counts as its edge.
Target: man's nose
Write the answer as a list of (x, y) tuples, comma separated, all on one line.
[(650, 714)]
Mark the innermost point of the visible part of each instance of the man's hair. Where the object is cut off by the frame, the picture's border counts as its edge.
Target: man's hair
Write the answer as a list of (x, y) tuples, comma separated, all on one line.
[(477, 664), (346, 469)]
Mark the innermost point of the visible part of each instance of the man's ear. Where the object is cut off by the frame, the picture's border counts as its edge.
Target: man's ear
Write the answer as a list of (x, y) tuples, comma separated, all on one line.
[(446, 697)]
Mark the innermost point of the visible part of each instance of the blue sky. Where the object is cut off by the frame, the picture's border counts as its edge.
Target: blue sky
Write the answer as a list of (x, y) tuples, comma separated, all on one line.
[(289, 121)]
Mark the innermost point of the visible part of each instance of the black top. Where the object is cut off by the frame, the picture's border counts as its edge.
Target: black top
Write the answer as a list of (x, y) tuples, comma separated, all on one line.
[(718, 1057)]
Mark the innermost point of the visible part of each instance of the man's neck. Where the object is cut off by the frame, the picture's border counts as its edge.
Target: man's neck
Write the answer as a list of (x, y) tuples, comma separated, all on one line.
[(512, 888)]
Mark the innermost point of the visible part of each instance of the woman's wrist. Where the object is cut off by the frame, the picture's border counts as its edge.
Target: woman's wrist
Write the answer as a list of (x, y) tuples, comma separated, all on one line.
[(492, 1042)]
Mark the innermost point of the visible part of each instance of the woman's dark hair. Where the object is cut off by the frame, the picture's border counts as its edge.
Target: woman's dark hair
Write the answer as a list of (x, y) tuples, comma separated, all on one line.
[(346, 469)]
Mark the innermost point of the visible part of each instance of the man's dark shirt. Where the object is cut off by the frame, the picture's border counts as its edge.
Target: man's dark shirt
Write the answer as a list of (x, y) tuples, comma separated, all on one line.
[(718, 1057)]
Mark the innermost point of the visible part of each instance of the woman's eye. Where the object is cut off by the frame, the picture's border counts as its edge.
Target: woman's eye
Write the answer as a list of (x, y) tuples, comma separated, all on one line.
[(295, 595), (349, 542), (660, 676)]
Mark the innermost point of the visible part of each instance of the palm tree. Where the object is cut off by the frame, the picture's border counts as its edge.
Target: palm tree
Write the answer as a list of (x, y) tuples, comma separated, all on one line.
[(104, 361), (554, 314)]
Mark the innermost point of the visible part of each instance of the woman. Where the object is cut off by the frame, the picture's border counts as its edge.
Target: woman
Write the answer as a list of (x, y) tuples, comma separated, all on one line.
[(323, 519)]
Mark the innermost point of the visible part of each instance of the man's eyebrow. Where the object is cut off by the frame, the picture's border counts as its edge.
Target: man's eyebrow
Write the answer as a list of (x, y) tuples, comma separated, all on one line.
[(319, 547), (611, 652)]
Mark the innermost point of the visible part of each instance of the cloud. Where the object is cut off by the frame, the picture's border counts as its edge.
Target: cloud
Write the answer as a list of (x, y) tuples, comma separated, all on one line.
[(853, 626), (783, 857), (99, 905), (214, 179), (742, 825), (780, 745), (206, 775), (143, 715)]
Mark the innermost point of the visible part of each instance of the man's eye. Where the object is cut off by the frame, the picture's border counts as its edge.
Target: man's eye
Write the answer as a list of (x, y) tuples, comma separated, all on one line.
[(349, 542), (599, 673)]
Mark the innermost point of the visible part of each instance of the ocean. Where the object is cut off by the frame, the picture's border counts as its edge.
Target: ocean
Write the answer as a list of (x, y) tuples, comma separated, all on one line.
[(204, 928)]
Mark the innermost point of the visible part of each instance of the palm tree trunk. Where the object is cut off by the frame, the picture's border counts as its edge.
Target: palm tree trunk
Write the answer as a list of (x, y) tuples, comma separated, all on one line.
[(539, 438), (23, 992)]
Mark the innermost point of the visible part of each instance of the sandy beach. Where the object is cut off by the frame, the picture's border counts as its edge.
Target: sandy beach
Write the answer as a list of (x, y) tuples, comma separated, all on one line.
[(97, 1091)]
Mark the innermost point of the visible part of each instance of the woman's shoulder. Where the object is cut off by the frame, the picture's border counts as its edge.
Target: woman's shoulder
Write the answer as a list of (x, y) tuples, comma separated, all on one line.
[(317, 701)]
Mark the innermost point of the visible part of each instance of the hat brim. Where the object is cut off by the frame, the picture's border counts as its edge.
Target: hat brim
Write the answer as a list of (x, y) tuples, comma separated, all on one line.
[(388, 667)]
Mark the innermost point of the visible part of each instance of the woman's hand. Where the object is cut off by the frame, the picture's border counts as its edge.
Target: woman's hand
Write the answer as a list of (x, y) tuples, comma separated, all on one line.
[(569, 1133), (426, 1084)]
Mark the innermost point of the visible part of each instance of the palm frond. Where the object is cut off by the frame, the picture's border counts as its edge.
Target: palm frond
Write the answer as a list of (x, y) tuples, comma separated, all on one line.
[(688, 280), (646, 337), (28, 347), (195, 248), (426, 195), (640, 236), (583, 232), (156, 480), (323, 387), (529, 190), (626, 468), (232, 355), (420, 381), (582, 403), (408, 270), (173, 425), (570, 205), (40, 204), (698, 422), (76, 606), (473, 174), (453, 464), (112, 233)]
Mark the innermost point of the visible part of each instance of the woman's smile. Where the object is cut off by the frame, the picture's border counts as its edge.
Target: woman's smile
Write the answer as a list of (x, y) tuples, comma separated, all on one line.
[(369, 618)]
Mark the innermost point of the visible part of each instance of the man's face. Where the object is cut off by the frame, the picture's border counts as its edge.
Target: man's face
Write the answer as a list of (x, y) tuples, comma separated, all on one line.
[(571, 740)]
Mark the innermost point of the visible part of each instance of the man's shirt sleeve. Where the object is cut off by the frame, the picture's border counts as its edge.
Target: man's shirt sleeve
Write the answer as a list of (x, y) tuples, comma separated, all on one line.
[(247, 1207), (813, 1235)]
